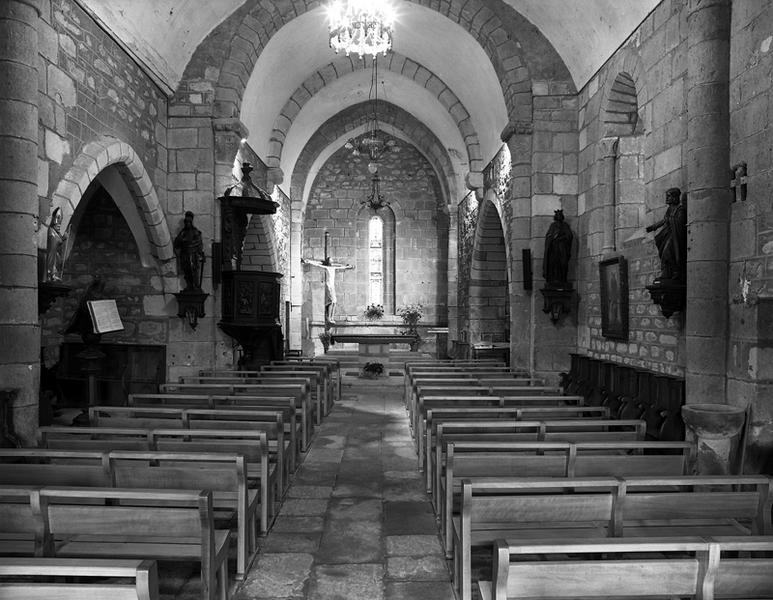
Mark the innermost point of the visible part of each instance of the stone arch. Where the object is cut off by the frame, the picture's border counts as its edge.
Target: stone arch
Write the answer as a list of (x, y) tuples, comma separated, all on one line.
[(489, 308), (264, 19), (396, 63), (623, 122), (101, 159), (624, 98), (350, 121)]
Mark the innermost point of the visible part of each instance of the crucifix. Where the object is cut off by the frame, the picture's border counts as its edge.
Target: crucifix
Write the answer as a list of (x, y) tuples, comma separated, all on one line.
[(330, 268)]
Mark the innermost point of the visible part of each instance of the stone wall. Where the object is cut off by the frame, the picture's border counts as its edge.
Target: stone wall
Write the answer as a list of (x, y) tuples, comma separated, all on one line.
[(89, 87), (410, 186), (750, 355), (637, 150)]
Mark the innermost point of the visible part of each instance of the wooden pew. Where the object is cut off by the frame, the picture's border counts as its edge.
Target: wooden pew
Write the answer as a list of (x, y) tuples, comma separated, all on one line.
[(436, 386), (120, 523), (94, 439), (324, 378), (519, 510), (253, 445), (426, 403), (287, 405), (567, 430), (42, 466), (746, 571), (518, 413), (299, 391), (272, 422), (225, 475), (481, 461), (332, 364), (602, 569), (21, 532), (716, 568), (430, 375), (78, 579), (309, 379)]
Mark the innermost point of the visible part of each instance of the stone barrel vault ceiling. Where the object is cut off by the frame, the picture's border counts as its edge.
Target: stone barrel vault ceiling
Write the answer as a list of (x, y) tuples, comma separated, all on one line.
[(165, 33)]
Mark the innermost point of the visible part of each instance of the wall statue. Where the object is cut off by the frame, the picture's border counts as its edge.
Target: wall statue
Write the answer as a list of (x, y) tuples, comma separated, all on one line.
[(55, 245), (558, 251), (671, 238), (189, 248)]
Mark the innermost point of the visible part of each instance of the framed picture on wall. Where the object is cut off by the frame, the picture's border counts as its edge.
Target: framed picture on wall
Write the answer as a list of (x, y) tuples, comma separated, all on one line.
[(613, 276)]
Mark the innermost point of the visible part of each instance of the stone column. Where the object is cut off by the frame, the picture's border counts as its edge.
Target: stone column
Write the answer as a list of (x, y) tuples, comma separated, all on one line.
[(19, 329), (607, 155), (519, 138), (708, 199)]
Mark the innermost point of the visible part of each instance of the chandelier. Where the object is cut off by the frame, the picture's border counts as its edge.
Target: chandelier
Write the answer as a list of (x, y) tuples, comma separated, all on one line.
[(375, 200), (361, 26), (373, 143)]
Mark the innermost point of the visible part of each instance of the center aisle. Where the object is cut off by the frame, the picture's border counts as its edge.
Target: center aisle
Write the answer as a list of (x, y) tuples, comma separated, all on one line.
[(356, 523)]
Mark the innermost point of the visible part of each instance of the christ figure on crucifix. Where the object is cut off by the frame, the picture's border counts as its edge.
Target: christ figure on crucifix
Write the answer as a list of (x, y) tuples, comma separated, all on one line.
[(330, 281)]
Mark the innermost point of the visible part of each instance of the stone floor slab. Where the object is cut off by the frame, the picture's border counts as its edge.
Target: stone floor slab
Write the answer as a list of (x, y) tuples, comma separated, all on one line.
[(413, 545), (304, 507), (347, 582), (287, 524), (413, 568), (310, 491), (292, 542), (419, 590), (278, 576)]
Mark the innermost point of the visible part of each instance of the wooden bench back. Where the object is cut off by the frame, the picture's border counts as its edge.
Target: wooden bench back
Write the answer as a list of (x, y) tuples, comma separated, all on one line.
[(670, 569), (180, 470), (93, 438), (78, 579), (127, 513), (475, 388), (37, 466), (295, 388), (717, 567), (187, 418)]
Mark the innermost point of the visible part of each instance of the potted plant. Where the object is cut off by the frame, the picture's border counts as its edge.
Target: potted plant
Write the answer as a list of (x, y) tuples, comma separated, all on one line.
[(374, 312), (373, 369), (411, 315), (327, 339)]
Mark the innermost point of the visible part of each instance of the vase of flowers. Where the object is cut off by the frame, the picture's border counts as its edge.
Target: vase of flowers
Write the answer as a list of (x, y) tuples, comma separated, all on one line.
[(327, 340), (411, 315), (371, 370), (374, 312)]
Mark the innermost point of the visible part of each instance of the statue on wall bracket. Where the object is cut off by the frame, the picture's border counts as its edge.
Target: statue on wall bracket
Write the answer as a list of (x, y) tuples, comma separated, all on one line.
[(669, 289), (189, 248), (558, 291)]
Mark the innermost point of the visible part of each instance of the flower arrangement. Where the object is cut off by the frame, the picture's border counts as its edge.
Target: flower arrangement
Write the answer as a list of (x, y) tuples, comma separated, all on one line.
[(411, 315), (327, 339), (374, 311), (373, 369)]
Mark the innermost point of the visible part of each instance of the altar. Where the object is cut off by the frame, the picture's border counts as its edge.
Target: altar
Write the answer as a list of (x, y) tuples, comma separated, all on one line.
[(374, 347)]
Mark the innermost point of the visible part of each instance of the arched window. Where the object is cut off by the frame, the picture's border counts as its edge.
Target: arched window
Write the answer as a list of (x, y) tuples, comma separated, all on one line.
[(376, 260)]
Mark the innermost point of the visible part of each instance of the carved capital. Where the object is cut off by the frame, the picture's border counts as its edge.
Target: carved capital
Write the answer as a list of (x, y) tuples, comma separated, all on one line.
[(516, 128), (607, 147)]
